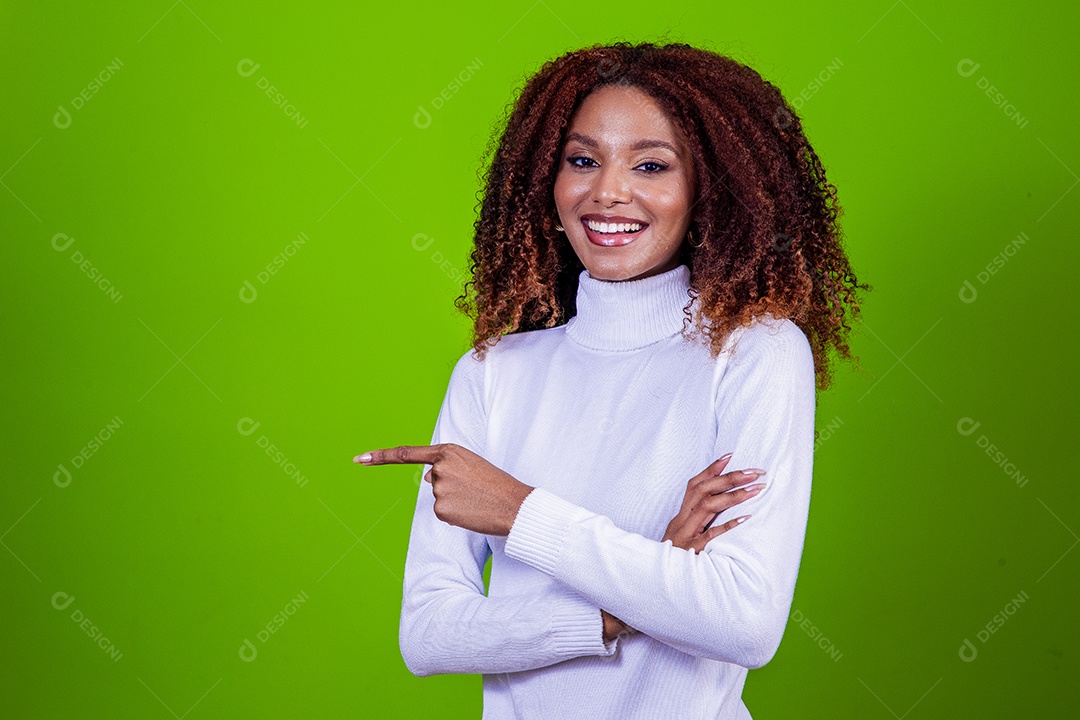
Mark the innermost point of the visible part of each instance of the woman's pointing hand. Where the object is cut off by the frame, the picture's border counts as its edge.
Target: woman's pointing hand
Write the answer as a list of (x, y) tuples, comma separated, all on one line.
[(469, 491)]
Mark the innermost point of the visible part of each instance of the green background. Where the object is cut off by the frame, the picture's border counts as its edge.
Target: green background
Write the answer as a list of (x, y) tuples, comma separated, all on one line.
[(179, 180)]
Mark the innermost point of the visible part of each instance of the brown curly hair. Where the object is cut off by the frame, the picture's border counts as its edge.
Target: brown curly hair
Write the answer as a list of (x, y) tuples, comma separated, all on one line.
[(765, 216)]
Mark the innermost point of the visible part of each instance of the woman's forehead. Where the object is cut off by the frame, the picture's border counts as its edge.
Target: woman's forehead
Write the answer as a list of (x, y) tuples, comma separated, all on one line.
[(618, 116)]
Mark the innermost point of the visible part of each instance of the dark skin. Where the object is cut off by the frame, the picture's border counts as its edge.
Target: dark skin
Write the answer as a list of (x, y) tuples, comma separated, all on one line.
[(624, 157)]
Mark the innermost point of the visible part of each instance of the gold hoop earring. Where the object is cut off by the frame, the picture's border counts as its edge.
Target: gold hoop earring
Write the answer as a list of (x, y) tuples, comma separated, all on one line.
[(690, 240), (558, 227)]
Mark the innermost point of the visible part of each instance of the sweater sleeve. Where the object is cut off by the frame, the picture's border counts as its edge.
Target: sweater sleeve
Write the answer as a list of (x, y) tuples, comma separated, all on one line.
[(448, 624), (731, 601)]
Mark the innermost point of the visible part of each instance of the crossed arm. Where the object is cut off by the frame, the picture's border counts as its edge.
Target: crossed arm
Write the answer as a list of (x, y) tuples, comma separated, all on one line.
[(726, 600), (474, 495)]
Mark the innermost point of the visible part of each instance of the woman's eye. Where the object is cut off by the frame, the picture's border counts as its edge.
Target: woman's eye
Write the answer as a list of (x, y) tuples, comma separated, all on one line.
[(656, 167)]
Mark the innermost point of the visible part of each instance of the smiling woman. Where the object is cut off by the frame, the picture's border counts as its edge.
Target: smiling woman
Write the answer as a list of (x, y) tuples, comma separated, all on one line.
[(622, 147), (658, 281)]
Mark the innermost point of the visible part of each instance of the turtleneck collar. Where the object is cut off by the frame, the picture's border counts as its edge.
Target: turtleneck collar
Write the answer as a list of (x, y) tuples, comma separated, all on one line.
[(629, 314)]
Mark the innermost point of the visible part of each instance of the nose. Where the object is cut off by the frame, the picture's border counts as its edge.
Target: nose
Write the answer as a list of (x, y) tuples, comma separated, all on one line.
[(611, 186)]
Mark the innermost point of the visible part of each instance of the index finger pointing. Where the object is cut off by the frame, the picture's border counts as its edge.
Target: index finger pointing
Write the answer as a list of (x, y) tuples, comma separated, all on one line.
[(402, 454)]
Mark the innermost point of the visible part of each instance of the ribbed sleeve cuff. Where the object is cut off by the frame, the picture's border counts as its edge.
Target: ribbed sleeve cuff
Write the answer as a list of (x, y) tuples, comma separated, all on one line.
[(537, 535), (579, 628)]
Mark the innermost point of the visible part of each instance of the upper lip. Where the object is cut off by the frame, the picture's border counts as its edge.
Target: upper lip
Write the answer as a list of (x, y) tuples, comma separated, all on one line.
[(612, 219)]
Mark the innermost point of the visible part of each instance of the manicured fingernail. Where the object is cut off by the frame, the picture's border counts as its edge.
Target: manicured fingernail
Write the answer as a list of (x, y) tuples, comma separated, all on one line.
[(741, 520), (755, 488), (365, 458), (724, 457), (753, 471)]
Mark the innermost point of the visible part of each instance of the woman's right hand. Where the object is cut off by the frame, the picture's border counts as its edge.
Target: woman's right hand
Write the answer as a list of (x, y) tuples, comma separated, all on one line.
[(707, 495)]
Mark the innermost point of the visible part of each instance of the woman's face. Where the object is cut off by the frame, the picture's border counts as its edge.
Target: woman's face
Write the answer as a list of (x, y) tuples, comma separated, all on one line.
[(624, 162)]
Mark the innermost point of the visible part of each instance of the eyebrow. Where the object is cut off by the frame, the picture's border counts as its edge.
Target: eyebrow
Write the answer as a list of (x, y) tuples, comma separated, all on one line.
[(639, 145)]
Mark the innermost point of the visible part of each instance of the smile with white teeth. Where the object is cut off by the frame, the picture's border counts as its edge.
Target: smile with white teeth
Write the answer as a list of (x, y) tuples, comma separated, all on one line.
[(601, 227)]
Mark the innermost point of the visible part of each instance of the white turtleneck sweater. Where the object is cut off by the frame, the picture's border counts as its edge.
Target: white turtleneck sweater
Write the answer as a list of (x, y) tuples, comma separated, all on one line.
[(608, 417)]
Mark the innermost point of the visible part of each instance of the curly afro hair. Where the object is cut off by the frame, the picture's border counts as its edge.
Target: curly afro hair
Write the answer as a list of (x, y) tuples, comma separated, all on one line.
[(768, 240)]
